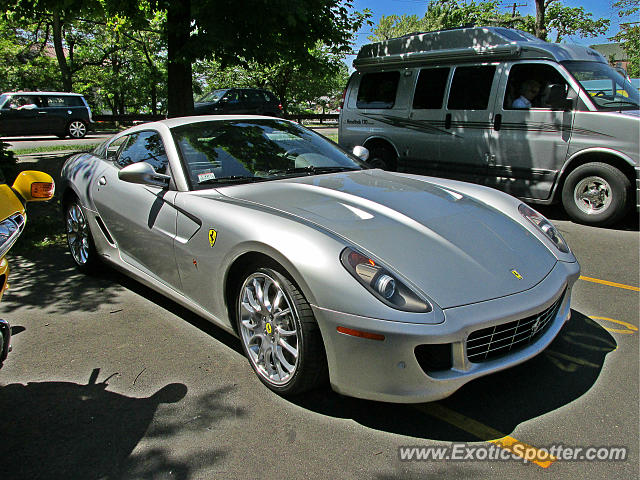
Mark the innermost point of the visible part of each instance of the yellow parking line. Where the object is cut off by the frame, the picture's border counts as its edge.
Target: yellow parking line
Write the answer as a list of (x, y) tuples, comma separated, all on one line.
[(629, 330), (483, 432), (611, 284)]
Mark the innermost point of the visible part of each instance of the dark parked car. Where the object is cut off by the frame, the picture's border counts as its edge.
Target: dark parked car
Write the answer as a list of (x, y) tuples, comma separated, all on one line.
[(237, 101), (37, 113)]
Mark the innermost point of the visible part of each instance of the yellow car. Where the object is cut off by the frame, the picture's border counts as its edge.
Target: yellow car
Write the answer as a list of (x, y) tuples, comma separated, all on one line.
[(30, 186)]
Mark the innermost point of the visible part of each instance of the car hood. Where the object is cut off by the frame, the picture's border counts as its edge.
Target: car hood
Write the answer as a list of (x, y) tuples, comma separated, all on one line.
[(454, 248)]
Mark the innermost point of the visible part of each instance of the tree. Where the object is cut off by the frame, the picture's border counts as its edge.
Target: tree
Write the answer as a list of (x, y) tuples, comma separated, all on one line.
[(251, 30), (441, 14), (629, 35), (566, 21)]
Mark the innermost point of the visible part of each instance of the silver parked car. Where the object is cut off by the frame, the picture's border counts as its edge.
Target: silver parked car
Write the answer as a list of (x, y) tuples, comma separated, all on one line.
[(393, 287)]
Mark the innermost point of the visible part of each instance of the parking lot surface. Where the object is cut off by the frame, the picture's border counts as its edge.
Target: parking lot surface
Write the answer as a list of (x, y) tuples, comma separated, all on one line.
[(107, 379)]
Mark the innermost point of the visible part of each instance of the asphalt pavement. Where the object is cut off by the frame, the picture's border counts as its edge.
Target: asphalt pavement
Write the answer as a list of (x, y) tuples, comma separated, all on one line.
[(108, 379)]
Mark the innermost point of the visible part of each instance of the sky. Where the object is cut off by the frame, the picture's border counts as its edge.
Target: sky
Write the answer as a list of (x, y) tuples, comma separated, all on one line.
[(599, 9)]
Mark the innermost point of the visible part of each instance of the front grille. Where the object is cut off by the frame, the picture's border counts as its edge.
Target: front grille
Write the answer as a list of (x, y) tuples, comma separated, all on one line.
[(497, 341)]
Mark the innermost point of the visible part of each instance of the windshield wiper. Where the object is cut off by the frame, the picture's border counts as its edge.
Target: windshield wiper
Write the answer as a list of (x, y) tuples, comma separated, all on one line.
[(311, 170), (233, 179), (627, 102)]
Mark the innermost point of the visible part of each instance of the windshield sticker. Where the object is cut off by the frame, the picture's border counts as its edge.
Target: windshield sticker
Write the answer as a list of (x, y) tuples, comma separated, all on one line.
[(203, 177)]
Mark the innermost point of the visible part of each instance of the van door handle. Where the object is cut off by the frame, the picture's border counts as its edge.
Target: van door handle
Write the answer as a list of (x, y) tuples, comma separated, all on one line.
[(447, 121), (497, 122)]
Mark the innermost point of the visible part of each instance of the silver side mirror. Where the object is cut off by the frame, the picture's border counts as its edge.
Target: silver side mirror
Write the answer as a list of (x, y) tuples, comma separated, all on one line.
[(361, 152), (142, 172)]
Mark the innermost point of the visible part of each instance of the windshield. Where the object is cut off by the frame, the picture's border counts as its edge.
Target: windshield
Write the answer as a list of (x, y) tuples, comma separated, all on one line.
[(211, 96), (3, 99), (608, 89), (242, 151)]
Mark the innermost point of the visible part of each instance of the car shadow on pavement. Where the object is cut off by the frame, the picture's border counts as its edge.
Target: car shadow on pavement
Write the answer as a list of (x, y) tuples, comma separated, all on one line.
[(500, 402), (67, 430)]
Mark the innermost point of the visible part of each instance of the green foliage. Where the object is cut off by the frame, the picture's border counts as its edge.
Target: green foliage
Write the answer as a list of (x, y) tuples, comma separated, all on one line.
[(629, 35), (441, 14)]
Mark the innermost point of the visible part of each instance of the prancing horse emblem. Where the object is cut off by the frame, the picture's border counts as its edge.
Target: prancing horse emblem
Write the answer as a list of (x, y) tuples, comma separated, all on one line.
[(516, 274)]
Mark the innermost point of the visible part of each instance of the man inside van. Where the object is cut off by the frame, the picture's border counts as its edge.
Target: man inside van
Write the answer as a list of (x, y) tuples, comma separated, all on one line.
[(528, 91)]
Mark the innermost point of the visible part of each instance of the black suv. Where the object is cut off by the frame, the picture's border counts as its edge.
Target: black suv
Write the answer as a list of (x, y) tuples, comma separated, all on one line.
[(239, 101), (38, 113)]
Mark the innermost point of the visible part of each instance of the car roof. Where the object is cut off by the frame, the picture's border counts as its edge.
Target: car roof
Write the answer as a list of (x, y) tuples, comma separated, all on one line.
[(20, 92), (180, 121)]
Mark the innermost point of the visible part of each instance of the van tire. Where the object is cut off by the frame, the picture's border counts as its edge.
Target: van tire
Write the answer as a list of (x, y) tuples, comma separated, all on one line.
[(596, 194), (382, 157)]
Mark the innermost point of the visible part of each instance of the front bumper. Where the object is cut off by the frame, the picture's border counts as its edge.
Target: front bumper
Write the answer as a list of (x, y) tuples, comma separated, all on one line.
[(389, 370)]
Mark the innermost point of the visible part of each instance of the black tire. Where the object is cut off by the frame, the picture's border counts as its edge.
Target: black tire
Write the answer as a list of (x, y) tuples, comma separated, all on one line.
[(79, 237), (382, 157), (596, 194), (77, 129), (309, 365)]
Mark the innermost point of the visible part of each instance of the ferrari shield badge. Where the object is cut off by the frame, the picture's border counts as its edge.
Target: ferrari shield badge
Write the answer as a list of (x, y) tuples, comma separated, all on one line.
[(212, 236), (515, 274)]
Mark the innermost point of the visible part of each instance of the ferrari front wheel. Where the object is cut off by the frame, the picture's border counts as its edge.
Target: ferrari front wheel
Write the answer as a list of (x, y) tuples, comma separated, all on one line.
[(279, 334)]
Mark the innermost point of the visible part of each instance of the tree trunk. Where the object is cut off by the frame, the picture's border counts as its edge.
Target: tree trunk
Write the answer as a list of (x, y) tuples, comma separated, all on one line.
[(541, 27), (65, 71), (179, 81)]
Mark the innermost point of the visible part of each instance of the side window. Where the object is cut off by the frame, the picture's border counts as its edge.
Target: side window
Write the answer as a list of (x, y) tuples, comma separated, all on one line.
[(378, 90), (24, 102), (530, 86), (144, 147), (111, 150), (56, 101), (430, 88), (471, 87)]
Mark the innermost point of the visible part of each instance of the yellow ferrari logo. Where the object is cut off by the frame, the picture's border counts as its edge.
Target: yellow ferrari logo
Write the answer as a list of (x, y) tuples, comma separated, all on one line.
[(212, 236), (269, 329), (516, 274)]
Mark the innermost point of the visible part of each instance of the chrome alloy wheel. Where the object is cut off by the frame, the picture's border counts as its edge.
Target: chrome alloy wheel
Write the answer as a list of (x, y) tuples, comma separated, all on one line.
[(592, 195), (78, 235), (269, 328), (77, 129)]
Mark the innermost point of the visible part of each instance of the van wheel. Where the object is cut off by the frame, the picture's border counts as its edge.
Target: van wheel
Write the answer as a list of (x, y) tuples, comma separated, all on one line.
[(77, 129), (382, 157), (596, 194)]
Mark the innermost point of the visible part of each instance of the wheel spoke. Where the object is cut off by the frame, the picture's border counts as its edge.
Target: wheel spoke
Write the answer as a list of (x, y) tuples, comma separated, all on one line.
[(293, 351)]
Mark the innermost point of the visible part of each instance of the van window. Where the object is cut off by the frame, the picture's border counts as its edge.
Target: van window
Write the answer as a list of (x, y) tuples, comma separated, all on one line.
[(471, 87), (378, 90), (522, 77), (430, 88)]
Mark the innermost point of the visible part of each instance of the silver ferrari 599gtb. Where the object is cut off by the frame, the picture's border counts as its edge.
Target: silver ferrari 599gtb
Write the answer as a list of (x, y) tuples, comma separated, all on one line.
[(390, 286)]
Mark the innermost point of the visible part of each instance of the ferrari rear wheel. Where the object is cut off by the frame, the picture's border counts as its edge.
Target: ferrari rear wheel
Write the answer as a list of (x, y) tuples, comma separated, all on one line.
[(279, 334), (79, 238)]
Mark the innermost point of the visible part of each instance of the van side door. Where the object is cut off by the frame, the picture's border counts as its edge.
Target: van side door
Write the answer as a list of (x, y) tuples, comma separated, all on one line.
[(464, 149), (531, 129), (426, 122)]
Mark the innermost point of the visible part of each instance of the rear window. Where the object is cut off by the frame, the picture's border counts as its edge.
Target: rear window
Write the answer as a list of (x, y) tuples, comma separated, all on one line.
[(378, 90), (471, 87), (64, 101), (430, 88)]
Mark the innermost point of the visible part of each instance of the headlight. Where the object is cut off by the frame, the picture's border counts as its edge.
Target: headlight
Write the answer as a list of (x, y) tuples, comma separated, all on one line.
[(381, 283), (10, 229), (545, 226)]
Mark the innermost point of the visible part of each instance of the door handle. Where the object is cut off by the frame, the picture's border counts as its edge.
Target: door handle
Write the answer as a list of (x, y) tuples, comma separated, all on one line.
[(497, 122), (447, 121), (102, 181)]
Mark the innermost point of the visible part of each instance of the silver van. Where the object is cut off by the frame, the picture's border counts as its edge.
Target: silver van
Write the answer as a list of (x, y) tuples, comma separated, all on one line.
[(542, 121)]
